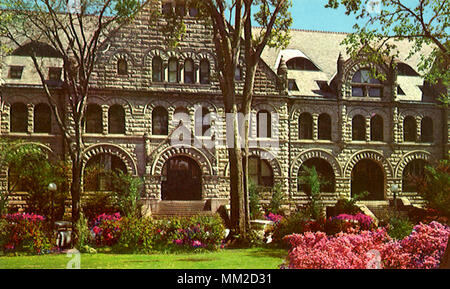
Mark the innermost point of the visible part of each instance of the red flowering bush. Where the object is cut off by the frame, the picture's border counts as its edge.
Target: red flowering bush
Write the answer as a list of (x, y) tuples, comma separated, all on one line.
[(423, 249), (106, 229), (349, 223), (25, 233)]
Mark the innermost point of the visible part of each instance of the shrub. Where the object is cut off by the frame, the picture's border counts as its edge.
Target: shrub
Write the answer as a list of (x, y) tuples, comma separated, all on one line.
[(26, 233), (398, 227), (126, 192), (295, 223), (254, 200), (97, 203), (422, 249), (107, 229), (276, 202), (137, 235), (348, 206)]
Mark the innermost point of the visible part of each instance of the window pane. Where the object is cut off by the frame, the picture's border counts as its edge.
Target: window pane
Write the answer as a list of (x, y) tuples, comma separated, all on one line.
[(357, 91), (375, 92), (157, 69)]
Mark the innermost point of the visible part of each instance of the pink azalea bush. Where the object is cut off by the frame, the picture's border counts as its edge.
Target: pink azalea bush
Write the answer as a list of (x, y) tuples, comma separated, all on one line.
[(274, 218), (106, 229), (24, 232), (423, 249)]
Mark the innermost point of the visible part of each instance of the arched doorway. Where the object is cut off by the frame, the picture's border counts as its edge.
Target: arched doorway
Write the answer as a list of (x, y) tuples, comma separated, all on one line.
[(325, 172), (368, 176), (181, 180)]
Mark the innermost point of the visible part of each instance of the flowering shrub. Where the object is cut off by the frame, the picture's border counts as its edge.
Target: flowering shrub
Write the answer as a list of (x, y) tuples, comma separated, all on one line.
[(274, 218), (144, 235), (25, 233), (349, 223), (106, 229), (369, 249)]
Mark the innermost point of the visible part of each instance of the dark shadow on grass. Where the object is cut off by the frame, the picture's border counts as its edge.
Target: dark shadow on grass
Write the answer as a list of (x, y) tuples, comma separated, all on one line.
[(196, 259), (269, 252)]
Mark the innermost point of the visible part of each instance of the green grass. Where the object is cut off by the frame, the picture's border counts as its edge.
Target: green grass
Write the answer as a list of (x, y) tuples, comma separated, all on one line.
[(254, 258)]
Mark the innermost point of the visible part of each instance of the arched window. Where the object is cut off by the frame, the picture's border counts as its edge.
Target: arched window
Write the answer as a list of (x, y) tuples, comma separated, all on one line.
[(359, 128), (189, 73), (157, 69), (94, 123), (324, 127), (202, 122), (19, 118), (173, 70), (122, 67), (264, 124), (305, 126), (411, 174), (427, 130), (364, 85), (204, 71), (42, 118), (300, 63), (160, 121), (97, 175), (376, 128), (116, 119), (325, 172), (260, 172), (409, 129), (181, 114)]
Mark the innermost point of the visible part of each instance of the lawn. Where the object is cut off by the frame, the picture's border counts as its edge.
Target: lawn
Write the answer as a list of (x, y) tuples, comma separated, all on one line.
[(254, 258)]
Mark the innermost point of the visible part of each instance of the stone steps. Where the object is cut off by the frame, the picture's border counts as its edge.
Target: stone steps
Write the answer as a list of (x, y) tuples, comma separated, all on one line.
[(182, 208), (381, 209)]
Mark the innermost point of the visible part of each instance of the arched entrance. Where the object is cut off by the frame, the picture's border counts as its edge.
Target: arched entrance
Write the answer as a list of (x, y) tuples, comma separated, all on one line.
[(325, 172), (98, 169), (181, 180), (368, 176)]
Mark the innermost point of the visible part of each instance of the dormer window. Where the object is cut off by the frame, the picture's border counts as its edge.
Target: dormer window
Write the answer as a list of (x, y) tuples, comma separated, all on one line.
[(54, 73), (300, 63), (400, 91), (404, 69), (292, 85), (15, 72), (364, 85)]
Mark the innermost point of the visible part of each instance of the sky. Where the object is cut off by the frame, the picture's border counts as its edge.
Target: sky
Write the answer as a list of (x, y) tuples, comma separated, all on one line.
[(312, 15)]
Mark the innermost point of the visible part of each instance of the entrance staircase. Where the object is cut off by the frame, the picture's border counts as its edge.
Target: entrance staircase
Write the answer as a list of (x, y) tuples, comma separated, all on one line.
[(383, 209), (182, 209)]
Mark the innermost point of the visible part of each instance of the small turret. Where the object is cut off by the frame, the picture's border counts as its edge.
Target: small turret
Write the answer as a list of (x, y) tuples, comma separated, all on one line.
[(282, 73)]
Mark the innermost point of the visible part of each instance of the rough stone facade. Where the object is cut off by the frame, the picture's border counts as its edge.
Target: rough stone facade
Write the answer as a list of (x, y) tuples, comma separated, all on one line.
[(146, 155)]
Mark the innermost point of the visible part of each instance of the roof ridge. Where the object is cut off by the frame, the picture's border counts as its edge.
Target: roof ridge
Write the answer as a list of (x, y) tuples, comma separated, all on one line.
[(311, 30)]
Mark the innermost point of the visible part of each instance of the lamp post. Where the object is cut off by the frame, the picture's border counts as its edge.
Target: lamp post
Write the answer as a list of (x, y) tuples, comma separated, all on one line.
[(395, 189), (52, 187)]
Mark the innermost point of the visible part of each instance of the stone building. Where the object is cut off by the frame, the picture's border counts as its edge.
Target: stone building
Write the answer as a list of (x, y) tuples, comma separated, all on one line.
[(157, 113)]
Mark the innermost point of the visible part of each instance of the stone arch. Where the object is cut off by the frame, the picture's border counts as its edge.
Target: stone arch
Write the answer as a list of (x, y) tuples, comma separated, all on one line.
[(122, 54), (105, 148), (316, 153), (208, 56), (120, 101), (182, 150), (409, 157), (152, 52), (372, 155)]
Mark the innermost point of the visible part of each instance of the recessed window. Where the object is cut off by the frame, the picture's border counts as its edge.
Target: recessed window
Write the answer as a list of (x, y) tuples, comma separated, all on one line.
[(324, 127), (359, 128), (364, 85), (427, 130), (301, 63), (122, 67), (18, 118), (54, 73), (238, 73), (157, 69), (94, 120), (292, 85), (260, 172), (173, 70), (264, 124), (116, 119), (204, 72), (202, 122), (376, 128), (167, 8), (180, 9), (160, 121), (42, 118), (409, 129), (400, 91), (189, 73), (305, 126), (15, 72), (193, 12)]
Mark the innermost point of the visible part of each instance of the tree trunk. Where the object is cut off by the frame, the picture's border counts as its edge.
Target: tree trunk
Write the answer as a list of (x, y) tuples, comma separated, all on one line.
[(238, 219), (75, 191), (445, 262)]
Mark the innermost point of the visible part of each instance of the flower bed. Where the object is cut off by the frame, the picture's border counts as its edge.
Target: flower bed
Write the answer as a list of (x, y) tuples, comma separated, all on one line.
[(27, 233), (146, 234), (423, 249)]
